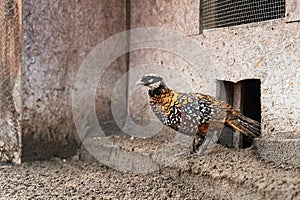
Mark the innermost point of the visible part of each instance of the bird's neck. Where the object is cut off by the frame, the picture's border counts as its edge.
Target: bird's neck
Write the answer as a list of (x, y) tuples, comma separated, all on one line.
[(164, 98), (158, 91)]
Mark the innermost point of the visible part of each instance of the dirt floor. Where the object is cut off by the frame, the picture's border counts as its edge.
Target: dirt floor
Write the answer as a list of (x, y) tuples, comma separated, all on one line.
[(78, 180), (222, 173)]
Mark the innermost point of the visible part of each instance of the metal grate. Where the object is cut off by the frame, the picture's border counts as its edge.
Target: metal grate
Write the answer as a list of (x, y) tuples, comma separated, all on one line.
[(223, 13), (10, 65)]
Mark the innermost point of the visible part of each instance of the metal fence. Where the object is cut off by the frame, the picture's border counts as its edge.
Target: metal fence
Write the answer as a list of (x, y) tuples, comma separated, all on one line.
[(10, 68), (223, 13)]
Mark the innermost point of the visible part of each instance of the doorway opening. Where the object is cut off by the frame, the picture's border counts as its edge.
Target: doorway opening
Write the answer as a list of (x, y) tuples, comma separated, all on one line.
[(244, 96)]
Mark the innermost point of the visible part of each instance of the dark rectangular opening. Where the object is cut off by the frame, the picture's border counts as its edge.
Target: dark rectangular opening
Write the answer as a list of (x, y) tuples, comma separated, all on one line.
[(244, 96), (251, 106)]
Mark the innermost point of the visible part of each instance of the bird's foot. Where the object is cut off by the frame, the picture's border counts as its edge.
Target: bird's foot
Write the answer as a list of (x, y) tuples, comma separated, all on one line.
[(210, 140), (197, 142)]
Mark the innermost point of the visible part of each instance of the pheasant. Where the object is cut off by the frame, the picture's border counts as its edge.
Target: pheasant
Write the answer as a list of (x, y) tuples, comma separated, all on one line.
[(194, 114)]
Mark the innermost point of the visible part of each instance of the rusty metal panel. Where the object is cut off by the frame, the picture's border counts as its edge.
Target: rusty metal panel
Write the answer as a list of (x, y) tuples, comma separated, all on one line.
[(10, 65)]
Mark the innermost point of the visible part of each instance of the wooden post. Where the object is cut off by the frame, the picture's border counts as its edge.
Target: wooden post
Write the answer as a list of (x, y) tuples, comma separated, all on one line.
[(237, 104)]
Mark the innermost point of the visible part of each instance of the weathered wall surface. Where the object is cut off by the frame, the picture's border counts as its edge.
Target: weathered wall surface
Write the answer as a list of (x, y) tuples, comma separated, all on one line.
[(57, 36), (292, 10), (268, 51), (179, 16), (10, 62), (182, 16)]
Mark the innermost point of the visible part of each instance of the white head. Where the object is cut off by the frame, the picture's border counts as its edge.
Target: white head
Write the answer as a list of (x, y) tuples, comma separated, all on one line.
[(151, 80)]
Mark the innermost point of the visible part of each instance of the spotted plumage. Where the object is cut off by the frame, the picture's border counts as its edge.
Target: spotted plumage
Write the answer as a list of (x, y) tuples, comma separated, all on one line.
[(194, 114)]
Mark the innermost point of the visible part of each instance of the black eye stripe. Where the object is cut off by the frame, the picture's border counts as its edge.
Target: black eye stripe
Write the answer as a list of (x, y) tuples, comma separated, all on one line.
[(156, 91)]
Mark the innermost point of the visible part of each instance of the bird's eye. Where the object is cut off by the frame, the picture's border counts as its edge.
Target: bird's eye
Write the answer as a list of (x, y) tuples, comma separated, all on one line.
[(150, 80)]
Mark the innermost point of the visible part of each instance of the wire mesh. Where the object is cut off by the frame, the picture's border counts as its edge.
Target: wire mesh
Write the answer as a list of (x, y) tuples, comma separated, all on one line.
[(10, 64), (223, 13)]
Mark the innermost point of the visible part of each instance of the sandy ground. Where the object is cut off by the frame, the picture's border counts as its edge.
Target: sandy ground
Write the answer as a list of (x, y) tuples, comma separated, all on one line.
[(78, 180), (222, 173)]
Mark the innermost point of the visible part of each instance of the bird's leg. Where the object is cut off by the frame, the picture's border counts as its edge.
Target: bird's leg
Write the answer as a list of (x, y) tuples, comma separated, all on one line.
[(196, 143), (210, 139)]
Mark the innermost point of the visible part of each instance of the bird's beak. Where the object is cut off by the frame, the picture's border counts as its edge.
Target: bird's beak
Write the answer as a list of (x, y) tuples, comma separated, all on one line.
[(139, 82)]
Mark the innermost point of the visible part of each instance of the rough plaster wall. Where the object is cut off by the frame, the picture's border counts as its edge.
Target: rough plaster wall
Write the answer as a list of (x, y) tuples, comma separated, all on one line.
[(57, 36), (180, 16), (106, 85), (292, 10), (259, 50), (268, 51)]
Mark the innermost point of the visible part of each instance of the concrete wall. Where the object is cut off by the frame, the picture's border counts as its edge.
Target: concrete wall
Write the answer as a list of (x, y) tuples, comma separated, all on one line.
[(292, 11), (180, 16), (268, 51), (57, 36)]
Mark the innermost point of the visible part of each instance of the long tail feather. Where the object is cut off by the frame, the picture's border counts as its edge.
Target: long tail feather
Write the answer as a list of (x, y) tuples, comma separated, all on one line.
[(243, 124)]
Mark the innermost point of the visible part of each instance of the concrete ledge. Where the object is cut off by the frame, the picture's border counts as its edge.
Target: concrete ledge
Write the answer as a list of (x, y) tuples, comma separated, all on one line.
[(111, 155), (279, 151), (135, 154), (226, 173)]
